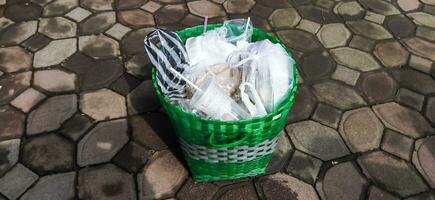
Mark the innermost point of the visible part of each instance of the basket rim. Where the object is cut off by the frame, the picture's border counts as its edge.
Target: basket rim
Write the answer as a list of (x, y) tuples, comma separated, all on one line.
[(288, 98)]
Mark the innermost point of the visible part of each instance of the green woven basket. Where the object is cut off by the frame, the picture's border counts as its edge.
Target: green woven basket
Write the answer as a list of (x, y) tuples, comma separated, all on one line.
[(222, 150)]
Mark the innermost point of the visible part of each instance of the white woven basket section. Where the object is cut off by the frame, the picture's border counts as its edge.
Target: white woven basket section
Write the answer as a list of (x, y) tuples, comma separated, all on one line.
[(229, 155)]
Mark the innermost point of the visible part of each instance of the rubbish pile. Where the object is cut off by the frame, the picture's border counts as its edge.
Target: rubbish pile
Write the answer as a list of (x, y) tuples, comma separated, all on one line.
[(221, 74)]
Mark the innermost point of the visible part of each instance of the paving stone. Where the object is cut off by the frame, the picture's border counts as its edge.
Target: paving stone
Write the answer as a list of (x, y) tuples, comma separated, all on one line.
[(333, 35), (14, 59), (103, 104), (410, 98), (102, 74), (154, 131), (78, 63), (205, 8), (397, 144), (415, 80), (129, 42), (375, 193), (9, 151), (400, 25), (58, 186), (99, 46), (274, 3), (239, 191), (281, 154), (403, 120), (132, 157), (26, 100), (362, 43), (430, 110), (105, 182), (430, 2), (192, 190), (381, 7), (16, 181), (51, 114), (135, 18), (128, 4), (151, 6), (78, 14), (420, 64), (304, 104), (5, 22), (97, 5), (55, 52), (162, 177), (349, 10), (421, 47), (396, 175), (11, 123), (55, 80), (97, 23), (327, 115), (347, 75), (192, 20), (16, 12), (36, 42), (361, 130), (282, 186), (18, 32), (304, 167), (171, 14), (125, 84), (75, 127), (378, 87), (59, 7), (309, 26), (57, 27), (12, 85), (421, 18), (318, 14), (260, 23), (118, 31), (374, 17), (317, 66), (284, 18), (423, 196), (351, 187), (238, 6), (328, 142), (48, 153), (261, 10), (355, 59), (338, 95), (102, 142), (426, 33), (139, 95), (369, 29), (327, 4), (407, 5), (299, 40), (424, 158)]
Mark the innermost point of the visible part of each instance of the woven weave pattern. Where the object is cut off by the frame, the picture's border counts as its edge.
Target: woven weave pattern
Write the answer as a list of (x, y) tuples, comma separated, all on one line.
[(215, 134)]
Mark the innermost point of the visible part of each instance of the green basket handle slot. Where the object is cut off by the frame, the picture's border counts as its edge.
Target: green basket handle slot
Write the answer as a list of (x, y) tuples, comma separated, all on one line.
[(233, 144)]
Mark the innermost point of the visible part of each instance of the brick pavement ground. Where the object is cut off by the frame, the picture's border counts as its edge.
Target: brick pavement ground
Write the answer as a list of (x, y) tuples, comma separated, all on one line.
[(79, 119)]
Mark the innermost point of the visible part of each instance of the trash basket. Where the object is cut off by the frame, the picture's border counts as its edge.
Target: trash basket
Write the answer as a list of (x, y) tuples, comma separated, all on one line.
[(222, 150)]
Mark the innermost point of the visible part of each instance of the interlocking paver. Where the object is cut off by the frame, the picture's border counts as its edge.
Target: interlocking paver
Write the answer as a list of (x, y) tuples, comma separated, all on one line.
[(363, 65)]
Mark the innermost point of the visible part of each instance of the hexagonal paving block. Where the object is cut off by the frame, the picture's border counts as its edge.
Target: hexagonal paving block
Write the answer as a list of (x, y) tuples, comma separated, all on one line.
[(103, 104), (23, 12), (378, 87), (317, 140), (244, 190), (101, 74), (162, 177), (284, 18), (99, 46), (280, 155), (422, 18), (105, 182), (333, 35), (98, 5), (11, 123), (238, 6), (414, 80), (424, 158), (12, 85), (102, 142), (57, 186), (282, 186), (51, 114), (9, 35), (397, 144), (349, 10), (304, 166), (170, 14), (136, 18), (57, 27), (97, 23), (130, 4), (305, 102), (408, 5), (369, 29), (421, 47), (205, 8), (55, 80), (391, 54), (59, 7), (317, 66), (140, 94), (192, 190), (381, 7), (16, 181), (361, 130), (14, 59), (299, 40), (355, 59), (338, 95), (48, 153), (400, 25), (9, 151), (55, 52), (430, 110)]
